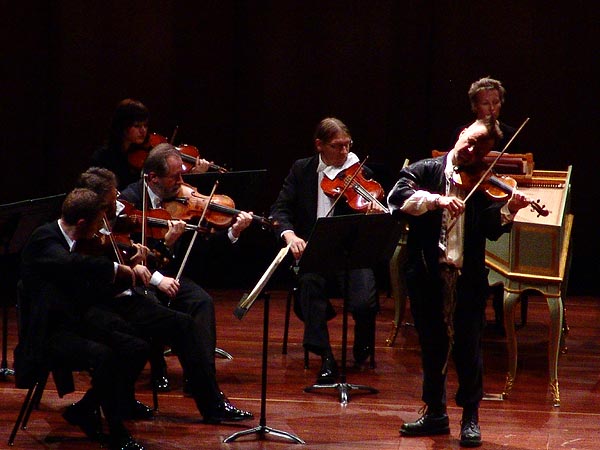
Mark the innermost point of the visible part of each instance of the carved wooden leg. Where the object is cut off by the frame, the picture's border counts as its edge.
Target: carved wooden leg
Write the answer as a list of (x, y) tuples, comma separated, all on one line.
[(555, 305), (398, 288), (510, 301)]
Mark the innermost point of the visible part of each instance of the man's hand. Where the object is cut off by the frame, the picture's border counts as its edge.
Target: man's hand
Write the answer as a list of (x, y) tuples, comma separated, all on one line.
[(297, 244), (453, 204), (170, 286), (201, 166), (242, 221), (141, 253), (142, 274), (375, 207), (176, 229), (517, 201)]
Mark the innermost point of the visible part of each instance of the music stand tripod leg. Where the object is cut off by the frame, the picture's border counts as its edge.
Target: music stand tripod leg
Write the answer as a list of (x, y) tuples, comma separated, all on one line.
[(342, 387), (223, 354), (262, 429)]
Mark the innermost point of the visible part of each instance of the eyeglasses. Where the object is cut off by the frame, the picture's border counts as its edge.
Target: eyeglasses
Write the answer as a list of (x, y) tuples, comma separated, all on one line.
[(341, 145)]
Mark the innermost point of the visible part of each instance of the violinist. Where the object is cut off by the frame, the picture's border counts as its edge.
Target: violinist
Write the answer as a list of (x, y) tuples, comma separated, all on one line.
[(446, 275), (60, 287), (295, 211), (138, 311), (128, 133), (163, 170)]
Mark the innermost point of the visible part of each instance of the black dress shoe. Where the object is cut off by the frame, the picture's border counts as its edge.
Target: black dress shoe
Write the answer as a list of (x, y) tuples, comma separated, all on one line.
[(429, 424), (125, 442), (361, 353), (226, 412), (364, 337), (161, 384), (187, 388), (470, 434), (86, 419), (329, 371), (138, 411)]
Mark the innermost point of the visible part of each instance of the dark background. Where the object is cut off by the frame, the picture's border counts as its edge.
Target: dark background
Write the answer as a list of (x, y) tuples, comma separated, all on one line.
[(246, 82)]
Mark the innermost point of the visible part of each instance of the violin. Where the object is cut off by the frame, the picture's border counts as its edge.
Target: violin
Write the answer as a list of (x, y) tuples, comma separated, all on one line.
[(189, 153), (137, 155), (157, 221), (116, 246), (358, 191), (497, 188), (221, 210)]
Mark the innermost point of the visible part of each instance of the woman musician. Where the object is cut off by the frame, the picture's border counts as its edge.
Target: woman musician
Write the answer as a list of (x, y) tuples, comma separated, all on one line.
[(129, 142)]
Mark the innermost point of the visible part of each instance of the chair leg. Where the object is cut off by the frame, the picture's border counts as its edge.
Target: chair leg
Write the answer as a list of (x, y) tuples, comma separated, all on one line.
[(286, 327), (154, 397), (24, 407), (372, 356), (32, 399)]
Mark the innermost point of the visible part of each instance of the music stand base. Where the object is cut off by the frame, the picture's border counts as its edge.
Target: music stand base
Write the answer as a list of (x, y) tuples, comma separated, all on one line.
[(5, 372), (223, 354), (343, 389), (262, 431)]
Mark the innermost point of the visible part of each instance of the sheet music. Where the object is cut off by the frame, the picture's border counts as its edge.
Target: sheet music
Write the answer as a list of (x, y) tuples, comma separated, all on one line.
[(248, 299)]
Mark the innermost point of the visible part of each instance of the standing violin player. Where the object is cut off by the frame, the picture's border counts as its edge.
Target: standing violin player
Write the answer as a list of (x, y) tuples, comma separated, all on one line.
[(300, 202), (446, 275), (128, 134), (163, 169)]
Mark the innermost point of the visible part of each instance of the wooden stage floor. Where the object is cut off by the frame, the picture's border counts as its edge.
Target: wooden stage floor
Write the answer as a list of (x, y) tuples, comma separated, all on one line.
[(526, 420)]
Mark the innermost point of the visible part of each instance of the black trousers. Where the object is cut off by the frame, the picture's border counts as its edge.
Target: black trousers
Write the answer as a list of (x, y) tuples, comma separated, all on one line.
[(314, 307), (114, 360), (195, 301), (427, 305), (146, 317)]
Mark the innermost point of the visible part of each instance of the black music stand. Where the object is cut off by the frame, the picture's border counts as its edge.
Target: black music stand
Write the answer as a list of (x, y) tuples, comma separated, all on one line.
[(245, 303), (344, 243), (17, 222)]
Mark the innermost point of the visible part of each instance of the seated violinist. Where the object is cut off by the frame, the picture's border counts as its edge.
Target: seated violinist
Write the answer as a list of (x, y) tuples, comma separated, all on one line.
[(60, 286), (129, 142), (163, 169), (137, 311), (300, 202)]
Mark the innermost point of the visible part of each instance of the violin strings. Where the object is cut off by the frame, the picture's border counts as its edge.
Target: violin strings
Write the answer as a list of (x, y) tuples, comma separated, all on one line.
[(364, 193)]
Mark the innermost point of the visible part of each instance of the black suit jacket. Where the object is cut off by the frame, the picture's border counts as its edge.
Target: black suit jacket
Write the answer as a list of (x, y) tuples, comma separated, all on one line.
[(57, 287), (296, 205), (204, 246), (482, 221)]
